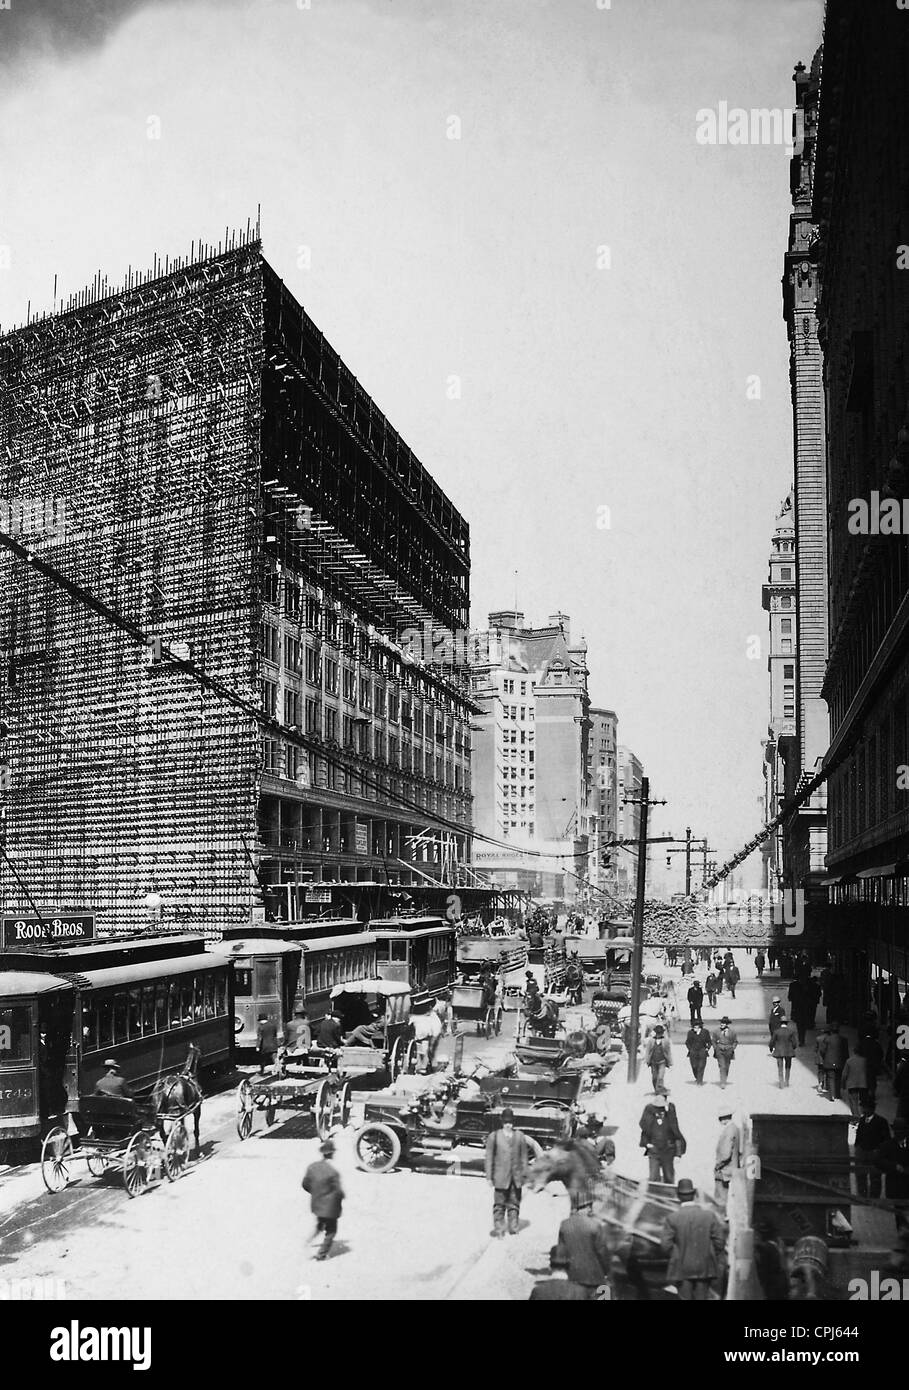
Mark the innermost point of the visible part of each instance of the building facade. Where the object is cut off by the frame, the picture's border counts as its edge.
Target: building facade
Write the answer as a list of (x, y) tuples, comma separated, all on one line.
[(630, 778), (861, 184), (231, 492), (530, 755), (780, 747), (603, 781), (805, 832)]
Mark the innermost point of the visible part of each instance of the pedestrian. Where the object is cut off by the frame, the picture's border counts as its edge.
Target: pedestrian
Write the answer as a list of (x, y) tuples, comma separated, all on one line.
[(695, 1242), (776, 1013), (799, 1007), (658, 1057), (710, 989), (871, 1133), (784, 1047), (661, 1140), (591, 1132), (854, 1079), (507, 1161), (584, 1240), (719, 972), (725, 1041), (733, 975), (874, 1060), (820, 1051), (266, 1041), (771, 957), (558, 1287), (329, 1035), (323, 1183), (759, 963), (833, 1060), (728, 1153), (892, 1159), (698, 1045), (695, 1001)]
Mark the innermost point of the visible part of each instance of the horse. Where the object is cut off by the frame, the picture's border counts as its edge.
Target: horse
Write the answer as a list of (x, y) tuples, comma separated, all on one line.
[(573, 1163), (543, 1018), (175, 1096)]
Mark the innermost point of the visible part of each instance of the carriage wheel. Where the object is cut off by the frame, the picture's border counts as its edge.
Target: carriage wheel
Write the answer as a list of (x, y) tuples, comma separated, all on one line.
[(135, 1165), (344, 1105), (411, 1056), (176, 1152), (56, 1157), (500, 1013), (96, 1160), (377, 1148), (487, 1028), (396, 1061), (534, 1147), (323, 1108), (245, 1107)]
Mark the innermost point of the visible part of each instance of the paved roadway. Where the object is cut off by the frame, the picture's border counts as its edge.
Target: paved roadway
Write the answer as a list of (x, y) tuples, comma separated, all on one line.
[(238, 1224)]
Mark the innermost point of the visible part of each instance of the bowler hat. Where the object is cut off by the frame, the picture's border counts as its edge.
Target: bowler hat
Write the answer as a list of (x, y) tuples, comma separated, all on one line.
[(507, 1116), (725, 1018), (685, 1190), (112, 1064)]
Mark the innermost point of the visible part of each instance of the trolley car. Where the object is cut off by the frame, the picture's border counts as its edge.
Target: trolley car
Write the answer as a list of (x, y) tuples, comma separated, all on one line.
[(418, 952)]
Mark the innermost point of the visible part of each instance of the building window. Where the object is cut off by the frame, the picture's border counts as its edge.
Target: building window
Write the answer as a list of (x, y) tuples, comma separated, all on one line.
[(291, 653), (268, 641), (292, 707), (788, 673), (785, 625), (268, 692), (786, 574), (313, 667)]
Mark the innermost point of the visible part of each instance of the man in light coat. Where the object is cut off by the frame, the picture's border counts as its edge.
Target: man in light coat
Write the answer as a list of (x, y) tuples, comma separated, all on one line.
[(507, 1161), (695, 1242), (728, 1153)]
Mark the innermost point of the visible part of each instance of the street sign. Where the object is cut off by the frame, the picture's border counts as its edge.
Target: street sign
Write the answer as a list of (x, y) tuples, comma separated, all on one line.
[(362, 838), (257, 917), (29, 931), (318, 895)]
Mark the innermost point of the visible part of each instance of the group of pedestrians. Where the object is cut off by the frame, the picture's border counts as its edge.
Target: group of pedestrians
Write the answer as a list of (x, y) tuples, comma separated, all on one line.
[(699, 1044)]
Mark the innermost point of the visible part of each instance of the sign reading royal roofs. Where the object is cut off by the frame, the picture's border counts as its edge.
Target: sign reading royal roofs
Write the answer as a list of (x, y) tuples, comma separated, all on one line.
[(30, 931)]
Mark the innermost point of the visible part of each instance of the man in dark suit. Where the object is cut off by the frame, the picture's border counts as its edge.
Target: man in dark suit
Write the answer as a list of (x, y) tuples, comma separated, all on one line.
[(584, 1240), (784, 1046), (329, 1035), (266, 1041), (695, 1241), (695, 1001), (558, 1287), (698, 1045), (871, 1132), (661, 1139), (507, 1161), (323, 1183)]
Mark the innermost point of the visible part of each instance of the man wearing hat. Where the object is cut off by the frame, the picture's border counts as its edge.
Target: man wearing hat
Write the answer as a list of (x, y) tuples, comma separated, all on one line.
[(591, 1131), (658, 1056), (728, 1151), (559, 1287), (323, 1183), (507, 1161), (584, 1240), (698, 1045), (892, 1158), (112, 1083), (776, 1013), (725, 1042), (661, 1139), (695, 1242), (833, 1052), (784, 1045), (871, 1133)]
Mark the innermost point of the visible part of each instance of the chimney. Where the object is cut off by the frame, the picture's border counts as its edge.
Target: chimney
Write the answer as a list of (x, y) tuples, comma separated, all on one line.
[(563, 621), (507, 620)]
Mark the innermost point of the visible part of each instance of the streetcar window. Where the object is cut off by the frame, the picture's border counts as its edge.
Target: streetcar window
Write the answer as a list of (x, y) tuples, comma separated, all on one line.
[(398, 950), (266, 977), (148, 1009), (209, 997), (221, 995), (173, 1005), (105, 1009), (242, 981), (120, 1017), (15, 1034), (161, 1008), (89, 1027), (135, 1013), (198, 997), (186, 1002)]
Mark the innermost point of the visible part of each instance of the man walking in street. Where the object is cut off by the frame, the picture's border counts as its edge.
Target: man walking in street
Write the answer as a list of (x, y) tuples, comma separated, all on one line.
[(698, 1045), (323, 1183), (872, 1131), (759, 963), (584, 1240), (733, 975), (507, 1161), (710, 989), (695, 1000), (661, 1140), (558, 1288), (266, 1041), (776, 1013), (784, 1047), (658, 1056), (694, 1241), (725, 1041), (728, 1153), (832, 1053)]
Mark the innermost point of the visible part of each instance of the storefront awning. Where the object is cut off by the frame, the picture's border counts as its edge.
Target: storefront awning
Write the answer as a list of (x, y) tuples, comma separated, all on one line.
[(881, 871)]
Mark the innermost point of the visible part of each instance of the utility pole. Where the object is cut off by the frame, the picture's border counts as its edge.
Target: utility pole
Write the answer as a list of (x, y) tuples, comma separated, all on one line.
[(637, 951), (687, 861)]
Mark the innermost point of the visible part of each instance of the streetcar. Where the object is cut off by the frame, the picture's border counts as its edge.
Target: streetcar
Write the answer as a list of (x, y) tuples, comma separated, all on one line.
[(418, 952), (65, 1010)]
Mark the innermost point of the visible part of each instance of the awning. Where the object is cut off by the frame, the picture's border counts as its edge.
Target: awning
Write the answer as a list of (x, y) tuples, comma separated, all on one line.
[(882, 871), (383, 988)]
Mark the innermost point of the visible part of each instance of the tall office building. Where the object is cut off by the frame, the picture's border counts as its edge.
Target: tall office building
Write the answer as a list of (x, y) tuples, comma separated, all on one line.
[(603, 781), (213, 472), (781, 744), (630, 778)]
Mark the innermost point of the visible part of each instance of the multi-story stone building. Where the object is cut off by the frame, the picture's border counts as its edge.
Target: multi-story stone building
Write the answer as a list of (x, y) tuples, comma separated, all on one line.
[(860, 191), (780, 746), (530, 754), (603, 780), (804, 839), (630, 778), (231, 492)]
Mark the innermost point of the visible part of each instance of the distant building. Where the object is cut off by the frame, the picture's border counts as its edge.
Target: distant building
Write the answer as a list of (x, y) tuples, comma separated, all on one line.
[(603, 781), (530, 755), (779, 600), (630, 777)]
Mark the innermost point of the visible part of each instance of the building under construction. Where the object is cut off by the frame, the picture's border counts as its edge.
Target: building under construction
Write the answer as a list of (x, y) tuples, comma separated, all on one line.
[(210, 701)]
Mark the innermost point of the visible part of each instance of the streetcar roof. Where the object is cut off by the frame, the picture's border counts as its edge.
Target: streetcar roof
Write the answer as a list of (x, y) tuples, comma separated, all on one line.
[(150, 970), (395, 934), (409, 923), (385, 988), (253, 946), (18, 982), (330, 943)]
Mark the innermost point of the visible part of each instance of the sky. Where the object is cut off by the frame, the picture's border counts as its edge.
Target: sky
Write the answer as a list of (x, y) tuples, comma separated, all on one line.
[(500, 215)]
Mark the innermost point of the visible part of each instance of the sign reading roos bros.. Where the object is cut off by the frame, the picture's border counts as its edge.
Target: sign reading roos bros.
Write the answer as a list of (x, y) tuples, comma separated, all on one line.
[(28, 931)]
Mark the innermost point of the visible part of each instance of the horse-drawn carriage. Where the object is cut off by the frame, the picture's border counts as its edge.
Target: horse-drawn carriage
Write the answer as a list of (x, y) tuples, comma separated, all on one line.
[(144, 1139), (319, 1080), (473, 1003), (443, 1118)]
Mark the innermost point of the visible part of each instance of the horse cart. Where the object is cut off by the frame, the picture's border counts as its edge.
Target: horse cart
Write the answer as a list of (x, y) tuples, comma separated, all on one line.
[(471, 1004), (118, 1133), (319, 1080), (406, 1128)]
